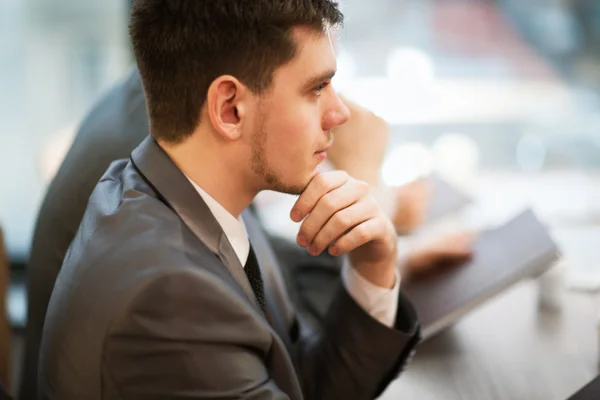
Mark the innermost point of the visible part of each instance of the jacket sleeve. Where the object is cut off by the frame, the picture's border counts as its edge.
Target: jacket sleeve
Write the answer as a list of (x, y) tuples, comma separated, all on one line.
[(355, 356)]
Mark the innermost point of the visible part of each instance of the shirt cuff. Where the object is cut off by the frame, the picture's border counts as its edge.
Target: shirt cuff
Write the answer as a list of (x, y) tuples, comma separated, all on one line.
[(380, 303)]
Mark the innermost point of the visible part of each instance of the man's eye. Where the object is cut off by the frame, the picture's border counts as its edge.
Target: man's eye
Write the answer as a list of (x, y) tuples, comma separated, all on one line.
[(319, 89)]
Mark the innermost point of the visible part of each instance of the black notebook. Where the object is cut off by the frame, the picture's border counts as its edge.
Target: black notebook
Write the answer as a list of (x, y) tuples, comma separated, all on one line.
[(502, 256)]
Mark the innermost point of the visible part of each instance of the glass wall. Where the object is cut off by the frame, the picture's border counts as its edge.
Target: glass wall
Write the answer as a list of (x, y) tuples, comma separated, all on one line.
[(502, 96), (56, 58)]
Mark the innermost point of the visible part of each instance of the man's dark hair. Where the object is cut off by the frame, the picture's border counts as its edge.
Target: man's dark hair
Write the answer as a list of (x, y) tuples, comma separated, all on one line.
[(182, 46)]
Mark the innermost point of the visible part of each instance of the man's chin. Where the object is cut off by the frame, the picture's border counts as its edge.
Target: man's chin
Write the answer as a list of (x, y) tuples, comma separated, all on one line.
[(292, 187), (295, 189)]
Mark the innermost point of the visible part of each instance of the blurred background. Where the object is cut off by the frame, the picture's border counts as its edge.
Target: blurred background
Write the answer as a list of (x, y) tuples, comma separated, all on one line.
[(498, 95)]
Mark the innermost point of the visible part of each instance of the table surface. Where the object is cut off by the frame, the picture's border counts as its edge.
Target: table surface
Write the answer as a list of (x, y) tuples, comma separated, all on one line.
[(511, 347)]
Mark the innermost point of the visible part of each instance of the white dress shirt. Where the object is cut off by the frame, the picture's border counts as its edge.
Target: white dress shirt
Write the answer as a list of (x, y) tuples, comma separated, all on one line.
[(380, 303)]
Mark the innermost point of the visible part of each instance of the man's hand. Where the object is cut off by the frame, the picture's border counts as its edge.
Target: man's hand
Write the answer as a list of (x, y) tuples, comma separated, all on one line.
[(437, 255), (339, 213), (411, 201)]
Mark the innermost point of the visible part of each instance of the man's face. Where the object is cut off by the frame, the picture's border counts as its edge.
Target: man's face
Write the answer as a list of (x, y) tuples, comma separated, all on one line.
[(292, 130)]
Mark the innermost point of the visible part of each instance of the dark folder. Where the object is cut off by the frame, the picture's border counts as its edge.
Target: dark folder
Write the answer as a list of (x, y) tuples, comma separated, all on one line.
[(502, 256), (591, 391), (445, 199)]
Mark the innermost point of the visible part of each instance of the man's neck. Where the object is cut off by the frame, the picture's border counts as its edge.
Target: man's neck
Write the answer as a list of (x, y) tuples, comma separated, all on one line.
[(215, 172)]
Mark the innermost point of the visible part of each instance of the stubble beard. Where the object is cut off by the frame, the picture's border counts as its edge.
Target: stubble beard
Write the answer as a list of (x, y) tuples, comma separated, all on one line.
[(261, 167)]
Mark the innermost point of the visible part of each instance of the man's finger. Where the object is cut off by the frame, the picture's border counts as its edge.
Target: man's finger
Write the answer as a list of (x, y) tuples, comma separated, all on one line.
[(317, 187), (341, 222), (327, 207), (356, 237)]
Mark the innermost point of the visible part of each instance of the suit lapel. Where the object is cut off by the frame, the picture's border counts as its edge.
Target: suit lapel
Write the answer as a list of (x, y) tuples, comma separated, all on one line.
[(169, 182)]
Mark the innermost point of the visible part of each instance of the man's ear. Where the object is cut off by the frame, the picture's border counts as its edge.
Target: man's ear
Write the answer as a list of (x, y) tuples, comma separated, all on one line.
[(226, 104)]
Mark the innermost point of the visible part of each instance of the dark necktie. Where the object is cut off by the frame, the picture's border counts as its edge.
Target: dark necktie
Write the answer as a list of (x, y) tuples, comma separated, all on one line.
[(254, 277)]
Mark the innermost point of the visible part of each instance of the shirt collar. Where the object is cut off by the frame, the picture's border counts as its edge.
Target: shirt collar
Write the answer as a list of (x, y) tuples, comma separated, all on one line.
[(234, 228)]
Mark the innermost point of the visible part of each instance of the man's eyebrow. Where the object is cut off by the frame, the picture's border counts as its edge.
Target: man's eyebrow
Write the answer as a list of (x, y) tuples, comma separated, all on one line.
[(319, 79)]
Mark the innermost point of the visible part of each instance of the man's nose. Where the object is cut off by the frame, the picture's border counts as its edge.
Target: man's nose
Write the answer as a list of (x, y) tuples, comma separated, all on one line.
[(337, 115)]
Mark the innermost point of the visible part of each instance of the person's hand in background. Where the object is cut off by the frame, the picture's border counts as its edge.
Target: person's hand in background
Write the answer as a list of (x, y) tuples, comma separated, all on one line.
[(437, 255), (359, 145), (410, 206)]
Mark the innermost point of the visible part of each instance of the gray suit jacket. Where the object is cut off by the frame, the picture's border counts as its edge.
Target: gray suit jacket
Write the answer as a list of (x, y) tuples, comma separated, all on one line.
[(152, 302)]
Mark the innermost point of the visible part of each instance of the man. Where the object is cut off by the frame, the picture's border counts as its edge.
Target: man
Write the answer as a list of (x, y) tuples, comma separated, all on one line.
[(116, 125), (161, 294)]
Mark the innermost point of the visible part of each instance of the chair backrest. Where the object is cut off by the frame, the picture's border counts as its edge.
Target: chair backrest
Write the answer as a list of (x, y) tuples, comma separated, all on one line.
[(4, 394), (5, 329)]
